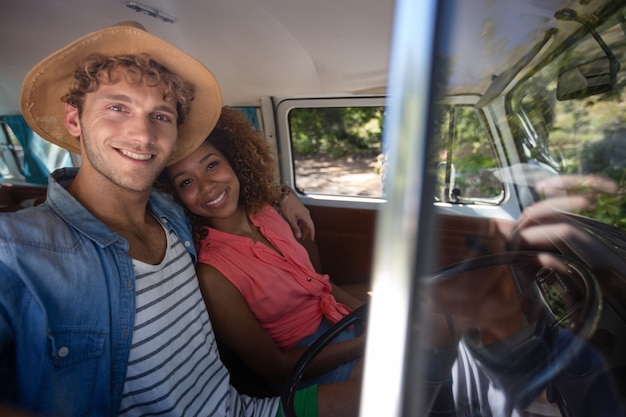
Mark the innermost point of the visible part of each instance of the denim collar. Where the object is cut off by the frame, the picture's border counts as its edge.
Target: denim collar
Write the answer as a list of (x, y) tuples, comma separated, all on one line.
[(62, 203)]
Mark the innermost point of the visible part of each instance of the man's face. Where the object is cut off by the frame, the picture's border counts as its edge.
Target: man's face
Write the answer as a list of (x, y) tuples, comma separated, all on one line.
[(127, 132)]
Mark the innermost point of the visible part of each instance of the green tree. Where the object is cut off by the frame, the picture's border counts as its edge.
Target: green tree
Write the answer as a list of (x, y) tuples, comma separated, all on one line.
[(336, 131)]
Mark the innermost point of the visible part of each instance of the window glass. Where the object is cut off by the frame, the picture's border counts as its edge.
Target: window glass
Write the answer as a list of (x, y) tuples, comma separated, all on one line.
[(575, 129), (337, 150), (11, 149), (4, 147), (4, 168), (465, 160), (51, 155)]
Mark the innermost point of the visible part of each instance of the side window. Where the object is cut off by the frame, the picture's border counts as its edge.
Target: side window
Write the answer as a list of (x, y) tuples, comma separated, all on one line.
[(4, 168), (51, 155), (466, 167), (337, 150), (44, 155), (11, 155)]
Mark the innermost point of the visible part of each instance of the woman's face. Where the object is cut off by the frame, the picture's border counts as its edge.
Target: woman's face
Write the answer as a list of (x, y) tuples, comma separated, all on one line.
[(206, 183)]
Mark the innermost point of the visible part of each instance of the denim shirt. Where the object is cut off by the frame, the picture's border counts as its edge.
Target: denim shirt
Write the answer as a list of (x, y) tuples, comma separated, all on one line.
[(67, 303)]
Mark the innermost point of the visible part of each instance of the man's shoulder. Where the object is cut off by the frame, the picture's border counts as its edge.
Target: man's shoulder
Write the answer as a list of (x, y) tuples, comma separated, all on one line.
[(25, 215), (161, 197), (165, 207), (29, 222), (163, 202)]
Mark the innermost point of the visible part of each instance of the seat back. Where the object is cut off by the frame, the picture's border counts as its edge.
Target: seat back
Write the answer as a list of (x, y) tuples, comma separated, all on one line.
[(15, 197)]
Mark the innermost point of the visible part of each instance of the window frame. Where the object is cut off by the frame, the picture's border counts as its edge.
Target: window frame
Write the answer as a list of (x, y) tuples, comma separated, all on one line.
[(493, 120), (450, 145), (286, 159)]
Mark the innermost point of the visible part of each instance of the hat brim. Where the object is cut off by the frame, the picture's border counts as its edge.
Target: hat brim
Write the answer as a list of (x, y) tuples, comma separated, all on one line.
[(51, 78)]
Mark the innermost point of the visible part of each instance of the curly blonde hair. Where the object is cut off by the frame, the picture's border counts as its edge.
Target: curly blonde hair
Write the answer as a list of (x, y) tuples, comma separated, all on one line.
[(96, 69), (250, 157)]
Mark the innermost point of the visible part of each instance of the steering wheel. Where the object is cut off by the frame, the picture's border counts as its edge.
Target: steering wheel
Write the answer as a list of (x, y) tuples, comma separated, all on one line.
[(555, 283), (565, 288), (291, 385), (560, 301)]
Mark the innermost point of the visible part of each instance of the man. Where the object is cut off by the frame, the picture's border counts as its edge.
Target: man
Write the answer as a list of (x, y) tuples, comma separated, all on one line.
[(100, 312)]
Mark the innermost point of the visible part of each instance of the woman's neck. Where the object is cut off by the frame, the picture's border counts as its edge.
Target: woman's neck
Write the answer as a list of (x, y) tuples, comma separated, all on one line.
[(240, 225), (237, 224)]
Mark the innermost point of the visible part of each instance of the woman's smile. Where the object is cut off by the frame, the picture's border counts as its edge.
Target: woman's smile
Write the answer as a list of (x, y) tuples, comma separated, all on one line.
[(216, 201)]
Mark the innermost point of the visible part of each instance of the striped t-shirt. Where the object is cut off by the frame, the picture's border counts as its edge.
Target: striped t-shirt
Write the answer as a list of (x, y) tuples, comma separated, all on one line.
[(174, 367)]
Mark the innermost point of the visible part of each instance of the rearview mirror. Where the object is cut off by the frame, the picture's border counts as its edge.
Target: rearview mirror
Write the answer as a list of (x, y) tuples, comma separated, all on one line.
[(593, 77)]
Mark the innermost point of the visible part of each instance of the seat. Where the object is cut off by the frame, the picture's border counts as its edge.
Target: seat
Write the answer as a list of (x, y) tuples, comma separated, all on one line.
[(16, 197)]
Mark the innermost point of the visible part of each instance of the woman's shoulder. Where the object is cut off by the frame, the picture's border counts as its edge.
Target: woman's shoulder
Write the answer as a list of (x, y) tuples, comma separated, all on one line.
[(268, 216)]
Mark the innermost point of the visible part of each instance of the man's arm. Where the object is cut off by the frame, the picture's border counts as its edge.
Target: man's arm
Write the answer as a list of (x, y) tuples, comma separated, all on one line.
[(296, 214)]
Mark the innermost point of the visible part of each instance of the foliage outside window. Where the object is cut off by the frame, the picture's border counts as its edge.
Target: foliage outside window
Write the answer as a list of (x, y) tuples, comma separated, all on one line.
[(337, 150), (464, 160), (580, 136)]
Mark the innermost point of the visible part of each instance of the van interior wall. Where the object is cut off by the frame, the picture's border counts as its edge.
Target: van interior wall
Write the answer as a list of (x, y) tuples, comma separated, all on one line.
[(460, 238), (344, 242)]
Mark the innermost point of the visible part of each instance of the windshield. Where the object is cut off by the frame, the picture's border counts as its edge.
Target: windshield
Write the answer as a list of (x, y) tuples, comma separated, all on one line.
[(563, 121)]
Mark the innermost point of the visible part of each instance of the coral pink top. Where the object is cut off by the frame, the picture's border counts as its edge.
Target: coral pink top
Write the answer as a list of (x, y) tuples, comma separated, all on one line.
[(282, 289)]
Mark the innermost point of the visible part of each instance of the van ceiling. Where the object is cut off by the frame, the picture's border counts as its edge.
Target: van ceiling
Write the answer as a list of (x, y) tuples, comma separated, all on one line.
[(259, 48), (255, 48)]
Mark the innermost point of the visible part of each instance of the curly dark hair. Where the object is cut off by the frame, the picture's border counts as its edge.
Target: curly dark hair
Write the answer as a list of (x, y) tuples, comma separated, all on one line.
[(97, 69), (250, 157)]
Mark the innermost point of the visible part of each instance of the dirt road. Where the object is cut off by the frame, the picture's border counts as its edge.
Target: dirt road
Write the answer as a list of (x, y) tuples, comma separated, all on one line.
[(342, 176)]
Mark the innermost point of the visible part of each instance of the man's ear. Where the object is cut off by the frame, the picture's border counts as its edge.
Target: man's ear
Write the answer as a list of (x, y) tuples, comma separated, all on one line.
[(72, 121)]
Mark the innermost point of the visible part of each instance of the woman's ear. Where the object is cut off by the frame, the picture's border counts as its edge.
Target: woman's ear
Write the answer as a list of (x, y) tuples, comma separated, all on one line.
[(72, 120)]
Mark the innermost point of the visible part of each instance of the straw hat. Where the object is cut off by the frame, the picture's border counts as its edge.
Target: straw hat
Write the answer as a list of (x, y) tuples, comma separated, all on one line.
[(51, 78)]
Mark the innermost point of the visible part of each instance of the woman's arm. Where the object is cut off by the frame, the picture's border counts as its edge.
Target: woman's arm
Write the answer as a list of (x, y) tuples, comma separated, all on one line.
[(344, 297), (238, 330)]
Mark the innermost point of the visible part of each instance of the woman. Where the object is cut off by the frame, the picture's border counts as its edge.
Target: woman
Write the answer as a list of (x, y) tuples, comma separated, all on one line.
[(265, 299)]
